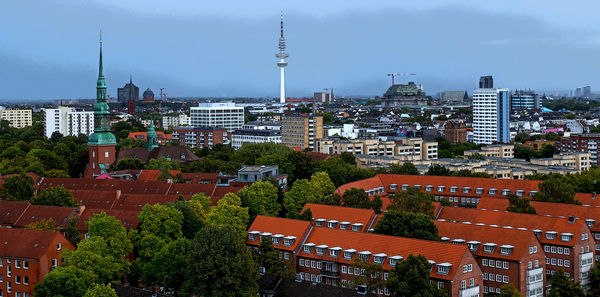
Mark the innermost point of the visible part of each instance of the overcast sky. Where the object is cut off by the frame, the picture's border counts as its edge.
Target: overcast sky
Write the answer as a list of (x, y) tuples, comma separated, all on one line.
[(49, 48)]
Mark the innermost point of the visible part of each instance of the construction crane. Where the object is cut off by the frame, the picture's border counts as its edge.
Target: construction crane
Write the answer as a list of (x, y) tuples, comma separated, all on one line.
[(393, 75)]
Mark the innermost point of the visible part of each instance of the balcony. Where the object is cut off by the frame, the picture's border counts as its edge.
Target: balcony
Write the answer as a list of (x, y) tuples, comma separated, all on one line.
[(330, 274), (469, 292), (535, 276)]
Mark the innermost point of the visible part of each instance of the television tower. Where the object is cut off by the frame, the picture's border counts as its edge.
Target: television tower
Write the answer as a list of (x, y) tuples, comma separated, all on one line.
[(282, 63)]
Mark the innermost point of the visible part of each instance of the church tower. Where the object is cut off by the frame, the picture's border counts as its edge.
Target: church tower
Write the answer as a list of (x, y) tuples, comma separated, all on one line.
[(151, 138), (102, 142)]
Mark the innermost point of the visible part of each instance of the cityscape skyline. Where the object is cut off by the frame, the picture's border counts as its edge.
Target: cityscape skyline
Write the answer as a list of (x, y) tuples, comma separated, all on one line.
[(520, 50)]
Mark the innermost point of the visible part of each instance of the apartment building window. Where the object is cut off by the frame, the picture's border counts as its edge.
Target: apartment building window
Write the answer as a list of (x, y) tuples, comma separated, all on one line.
[(505, 279), (484, 262), (567, 263), (463, 284), (17, 263), (344, 269), (25, 264), (471, 282)]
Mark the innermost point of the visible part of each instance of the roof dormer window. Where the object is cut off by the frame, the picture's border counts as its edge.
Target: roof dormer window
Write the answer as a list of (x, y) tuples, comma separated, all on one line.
[(331, 224), (405, 187), (428, 188), (479, 191), (444, 268), (308, 247), (466, 190), (264, 236), (532, 193), (590, 222), (289, 240), (349, 254), (537, 232), (320, 249), (445, 239), (489, 247), (418, 187), (551, 235), (566, 236), (252, 235), (364, 255), (344, 225), (320, 222), (441, 188), (458, 241), (492, 191), (454, 189), (506, 249), (393, 187), (395, 259), (334, 251), (505, 192), (277, 238), (519, 193), (379, 258), (356, 227), (473, 245)]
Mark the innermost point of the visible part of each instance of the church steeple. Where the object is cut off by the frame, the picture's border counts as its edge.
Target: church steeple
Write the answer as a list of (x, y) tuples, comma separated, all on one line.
[(151, 138)]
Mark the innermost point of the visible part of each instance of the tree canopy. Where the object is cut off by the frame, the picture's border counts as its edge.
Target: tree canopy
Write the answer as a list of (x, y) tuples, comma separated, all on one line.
[(411, 278), (412, 200), (563, 286), (407, 224), (260, 198), (520, 205), (54, 196)]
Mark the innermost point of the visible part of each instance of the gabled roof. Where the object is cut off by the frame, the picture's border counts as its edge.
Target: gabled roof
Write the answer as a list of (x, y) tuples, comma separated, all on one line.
[(389, 245), (518, 220), (551, 209), (342, 214), (129, 218), (36, 213), (29, 244), (137, 201), (149, 174), (11, 211), (588, 199), (520, 239), (176, 153), (96, 199), (126, 186), (285, 227)]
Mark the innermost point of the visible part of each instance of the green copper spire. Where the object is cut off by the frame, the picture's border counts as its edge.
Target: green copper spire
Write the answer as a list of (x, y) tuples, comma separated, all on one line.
[(151, 138), (101, 135)]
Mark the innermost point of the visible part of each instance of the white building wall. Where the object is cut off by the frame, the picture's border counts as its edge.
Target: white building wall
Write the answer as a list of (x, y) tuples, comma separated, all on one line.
[(55, 120), (217, 115), (80, 122)]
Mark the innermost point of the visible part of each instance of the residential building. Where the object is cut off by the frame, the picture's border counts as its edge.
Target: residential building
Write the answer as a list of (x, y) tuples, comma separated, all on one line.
[(348, 218), (258, 125), (256, 173), (590, 214), (494, 151), (399, 95), (506, 255), (325, 254), (18, 118), (454, 98), (68, 121), (524, 100), (491, 116), (200, 136), (417, 146), (373, 147), (586, 143), (455, 131), (301, 131), (243, 136), (169, 122), (26, 257), (567, 242), (579, 161), (217, 115), (128, 92)]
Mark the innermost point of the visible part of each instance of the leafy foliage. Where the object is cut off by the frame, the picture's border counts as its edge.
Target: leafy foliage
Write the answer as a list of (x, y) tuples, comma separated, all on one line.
[(54, 196), (229, 212), (66, 281), (557, 191), (563, 286), (266, 256), (411, 278), (100, 291), (412, 200), (19, 187), (520, 205), (260, 198), (407, 224), (370, 275), (509, 291), (45, 225)]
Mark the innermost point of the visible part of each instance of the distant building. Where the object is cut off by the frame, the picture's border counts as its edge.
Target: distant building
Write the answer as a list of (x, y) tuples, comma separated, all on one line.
[(259, 173), (454, 97), (587, 91), (243, 136), (68, 121), (409, 148), (491, 116), (301, 132), (455, 131), (486, 82), (175, 121), (200, 136), (128, 92), (400, 95), (161, 137), (217, 115), (586, 143), (148, 96), (322, 97), (18, 118), (494, 151), (524, 100), (131, 107)]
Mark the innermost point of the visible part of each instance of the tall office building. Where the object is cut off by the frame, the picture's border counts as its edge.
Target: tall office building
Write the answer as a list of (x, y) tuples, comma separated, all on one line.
[(217, 115), (68, 121), (491, 116), (524, 100), (18, 118), (486, 82), (301, 131), (128, 92)]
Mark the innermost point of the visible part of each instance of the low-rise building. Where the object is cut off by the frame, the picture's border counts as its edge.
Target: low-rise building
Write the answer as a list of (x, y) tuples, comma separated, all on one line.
[(243, 136), (26, 257), (579, 161), (494, 151), (407, 149), (506, 255), (200, 136), (585, 143), (18, 118), (256, 173)]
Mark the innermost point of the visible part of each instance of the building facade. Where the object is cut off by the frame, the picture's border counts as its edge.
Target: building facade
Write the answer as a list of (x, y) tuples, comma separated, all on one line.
[(301, 132), (455, 131), (454, 98), (491, 116), (18, 118), (128, 92), (68, 121), (217, 115), (524, 100), (586, 143), (243, 136), (148, 96), (399, 95), (200, 137), (175, 121)]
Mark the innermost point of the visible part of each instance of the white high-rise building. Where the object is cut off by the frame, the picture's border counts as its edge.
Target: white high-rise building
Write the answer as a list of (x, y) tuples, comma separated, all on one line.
[(68, 121), (217, 115), (491, 116)]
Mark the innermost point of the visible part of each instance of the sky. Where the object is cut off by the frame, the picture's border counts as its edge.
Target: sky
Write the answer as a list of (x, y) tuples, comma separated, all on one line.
[(49, 48)]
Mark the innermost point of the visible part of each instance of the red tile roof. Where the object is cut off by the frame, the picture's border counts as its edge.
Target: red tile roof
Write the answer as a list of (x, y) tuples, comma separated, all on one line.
[(285, 227), (137, 201), (588, 199), (126, 186), (518, 220), (96, 199), (389, 245), (520, 239), (342, 214), (36, 213), (148, 174), (29, 244), (11, 211), (129, 218)]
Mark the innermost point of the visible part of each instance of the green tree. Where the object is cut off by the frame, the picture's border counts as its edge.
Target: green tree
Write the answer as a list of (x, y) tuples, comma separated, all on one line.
[(348, 158), (521, 137), (438, 170), (266, 256), (405, 169), (376, 204), (159, 225), (407, 224), (306, 215), (339, 171), (594, 275), (71, 232), (411, 278), (194, 214), (322, 188), (260, 198), (371, 275), (163, 164), (19, 187), (167, 268), (509, 291), (476, 156), (556, 190), (44, 224), (100, 291), (229, 212), (548, 150), (412, 200), (54, 196), (520, 205), (523, 152), (219, 264), (563, 286), (295, 199), (65, 282), (356, 198)]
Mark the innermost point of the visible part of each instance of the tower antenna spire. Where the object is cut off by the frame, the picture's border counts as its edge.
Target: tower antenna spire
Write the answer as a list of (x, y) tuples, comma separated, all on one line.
[(282, 63)]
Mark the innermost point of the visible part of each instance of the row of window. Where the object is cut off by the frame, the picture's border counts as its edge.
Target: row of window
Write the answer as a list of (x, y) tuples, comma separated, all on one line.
[(18, 263), (496, 277), (557, 250), (18, 279), (494, 263)]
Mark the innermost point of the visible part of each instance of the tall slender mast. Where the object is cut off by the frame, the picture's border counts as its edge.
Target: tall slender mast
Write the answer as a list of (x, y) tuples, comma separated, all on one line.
[(282, 63)]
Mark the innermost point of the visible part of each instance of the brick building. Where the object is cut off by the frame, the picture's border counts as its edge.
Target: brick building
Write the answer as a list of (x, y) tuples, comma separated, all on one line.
[(455, 131), (26, 256), (586, 143), (200, 136), (506, 256)]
